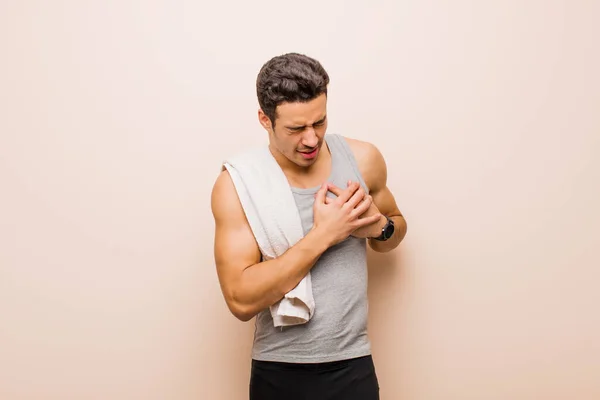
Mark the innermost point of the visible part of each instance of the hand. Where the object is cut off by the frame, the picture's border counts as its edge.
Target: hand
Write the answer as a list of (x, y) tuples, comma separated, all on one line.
[(338, 218), (367, 231)]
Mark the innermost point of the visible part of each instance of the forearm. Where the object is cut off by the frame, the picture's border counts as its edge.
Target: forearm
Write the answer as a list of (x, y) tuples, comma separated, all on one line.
[(263, 284), (393, 242)]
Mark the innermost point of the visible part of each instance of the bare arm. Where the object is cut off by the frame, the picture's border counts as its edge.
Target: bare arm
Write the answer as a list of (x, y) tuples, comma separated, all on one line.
[(374, 171), (249, 285)]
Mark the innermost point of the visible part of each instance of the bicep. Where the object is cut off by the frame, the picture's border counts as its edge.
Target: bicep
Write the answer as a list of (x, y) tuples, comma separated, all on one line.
[(374, 170), (385, 201), (235, 248)]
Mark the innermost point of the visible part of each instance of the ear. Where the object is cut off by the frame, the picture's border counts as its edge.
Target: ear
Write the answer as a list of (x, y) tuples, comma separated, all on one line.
[(264, 120)]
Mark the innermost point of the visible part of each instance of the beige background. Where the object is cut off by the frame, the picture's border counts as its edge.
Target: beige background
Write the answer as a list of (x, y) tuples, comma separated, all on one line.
[(115, 116)]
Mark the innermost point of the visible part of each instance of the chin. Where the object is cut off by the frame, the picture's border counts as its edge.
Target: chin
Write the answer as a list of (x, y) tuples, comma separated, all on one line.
[(306, 162)]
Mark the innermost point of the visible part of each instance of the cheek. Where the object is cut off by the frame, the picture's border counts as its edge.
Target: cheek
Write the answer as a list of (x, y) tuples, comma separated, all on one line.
[(287, 144), (321, 131), (294, 145), (290, 143)]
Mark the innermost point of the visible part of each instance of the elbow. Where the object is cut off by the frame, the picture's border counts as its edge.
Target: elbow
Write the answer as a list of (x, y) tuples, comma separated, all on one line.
[(241, 314), (403, 229), (240, 310)]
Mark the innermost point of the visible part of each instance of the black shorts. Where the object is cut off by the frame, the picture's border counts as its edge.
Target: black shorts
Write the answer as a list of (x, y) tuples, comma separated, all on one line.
[(353, 379)]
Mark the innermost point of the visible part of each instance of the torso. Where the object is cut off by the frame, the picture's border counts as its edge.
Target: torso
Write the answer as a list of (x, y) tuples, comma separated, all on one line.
[(338, 329)]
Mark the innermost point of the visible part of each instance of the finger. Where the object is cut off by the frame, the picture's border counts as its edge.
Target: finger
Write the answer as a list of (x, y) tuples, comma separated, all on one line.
[(320, 195), (368, 220), (356, 198), (348, 192), (329, 200), (363, 207), (334, 189), (338, 190)]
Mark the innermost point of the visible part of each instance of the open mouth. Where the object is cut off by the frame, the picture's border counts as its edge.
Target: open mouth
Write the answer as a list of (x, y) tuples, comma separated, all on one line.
[(311, 154)]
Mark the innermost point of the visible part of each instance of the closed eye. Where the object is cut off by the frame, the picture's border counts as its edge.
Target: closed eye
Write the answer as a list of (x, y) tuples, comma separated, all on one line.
[(295, 129), (321, 121)]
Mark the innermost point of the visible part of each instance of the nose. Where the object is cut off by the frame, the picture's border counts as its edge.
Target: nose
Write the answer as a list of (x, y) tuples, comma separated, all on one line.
[(310, 138)]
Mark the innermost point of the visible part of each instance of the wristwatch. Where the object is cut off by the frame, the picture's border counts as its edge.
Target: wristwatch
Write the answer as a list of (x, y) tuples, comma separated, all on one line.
[(387, 231)]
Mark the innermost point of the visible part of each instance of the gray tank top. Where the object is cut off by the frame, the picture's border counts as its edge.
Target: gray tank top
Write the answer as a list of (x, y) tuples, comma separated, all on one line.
[(338, 328)]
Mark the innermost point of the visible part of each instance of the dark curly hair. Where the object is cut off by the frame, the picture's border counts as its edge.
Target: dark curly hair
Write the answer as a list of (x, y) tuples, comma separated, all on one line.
[(287, 78)]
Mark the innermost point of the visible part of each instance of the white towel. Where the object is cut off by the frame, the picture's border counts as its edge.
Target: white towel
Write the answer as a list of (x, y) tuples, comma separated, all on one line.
[(271, 210)]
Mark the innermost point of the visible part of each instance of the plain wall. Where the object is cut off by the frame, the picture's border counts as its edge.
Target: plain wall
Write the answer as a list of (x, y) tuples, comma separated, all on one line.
[(115, 117)]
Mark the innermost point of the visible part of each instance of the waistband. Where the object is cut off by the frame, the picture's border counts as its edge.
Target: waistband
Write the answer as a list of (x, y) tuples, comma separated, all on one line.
[(323, 366)]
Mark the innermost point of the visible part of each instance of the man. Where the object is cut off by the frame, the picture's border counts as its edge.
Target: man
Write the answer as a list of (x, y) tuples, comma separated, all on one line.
[(339, 185)]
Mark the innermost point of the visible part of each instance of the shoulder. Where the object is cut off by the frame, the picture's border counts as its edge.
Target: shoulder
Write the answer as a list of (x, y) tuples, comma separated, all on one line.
[(224, 198), (371, 162), (223, 184)]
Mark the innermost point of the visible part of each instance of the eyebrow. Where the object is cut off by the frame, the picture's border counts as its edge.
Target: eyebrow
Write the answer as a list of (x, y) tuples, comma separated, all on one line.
[(298, 127)]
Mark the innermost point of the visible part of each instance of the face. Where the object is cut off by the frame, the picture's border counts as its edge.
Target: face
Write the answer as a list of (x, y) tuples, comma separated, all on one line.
[(299, 131)]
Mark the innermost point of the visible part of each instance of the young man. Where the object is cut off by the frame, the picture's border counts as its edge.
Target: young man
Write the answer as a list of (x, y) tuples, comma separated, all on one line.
[(339, 186)]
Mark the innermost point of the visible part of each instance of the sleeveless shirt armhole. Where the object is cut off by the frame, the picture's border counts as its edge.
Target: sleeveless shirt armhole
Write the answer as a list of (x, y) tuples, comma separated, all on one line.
[(345, 147)]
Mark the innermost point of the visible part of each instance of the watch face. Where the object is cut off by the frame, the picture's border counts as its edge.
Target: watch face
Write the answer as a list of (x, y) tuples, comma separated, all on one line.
[(389, 231)]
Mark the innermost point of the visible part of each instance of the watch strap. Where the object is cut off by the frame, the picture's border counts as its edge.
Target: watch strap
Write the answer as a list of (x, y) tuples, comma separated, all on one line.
[(383, 237)]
